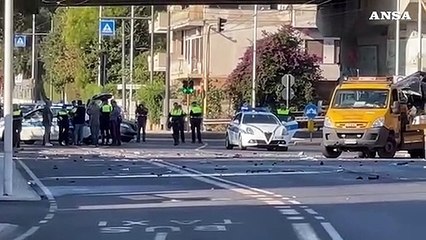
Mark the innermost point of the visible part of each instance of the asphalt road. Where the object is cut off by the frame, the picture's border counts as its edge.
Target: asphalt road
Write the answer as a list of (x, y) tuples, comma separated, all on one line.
[(157, 191)]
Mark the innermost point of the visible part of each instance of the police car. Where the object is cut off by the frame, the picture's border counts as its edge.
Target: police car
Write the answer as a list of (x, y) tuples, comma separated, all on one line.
[(258, 127)]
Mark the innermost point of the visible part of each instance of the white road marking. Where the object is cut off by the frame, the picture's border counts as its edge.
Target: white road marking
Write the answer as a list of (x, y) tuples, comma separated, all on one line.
[(184, 175), (303, 206), (28, 233), (102, 223), (160, 236), (244, 191), (258, 196), (265, 199), (294, 202), (304, 231), (43, 221), (273, 202), (49, 216), (295, 218), (278, 196), (45, 190), (319, 218), (331, 231), (199, 148), (289, 212), (311, 211), (286, 206)]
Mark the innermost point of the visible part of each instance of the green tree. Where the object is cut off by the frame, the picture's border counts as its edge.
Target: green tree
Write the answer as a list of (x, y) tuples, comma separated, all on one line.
[(278, 54), (152, 95), (214, 104)]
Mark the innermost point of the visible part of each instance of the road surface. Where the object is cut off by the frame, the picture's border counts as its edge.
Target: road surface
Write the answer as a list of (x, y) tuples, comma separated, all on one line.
[(157, 191)]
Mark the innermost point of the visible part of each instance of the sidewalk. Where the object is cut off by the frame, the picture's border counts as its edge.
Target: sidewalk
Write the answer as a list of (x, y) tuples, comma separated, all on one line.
[(22, 191)]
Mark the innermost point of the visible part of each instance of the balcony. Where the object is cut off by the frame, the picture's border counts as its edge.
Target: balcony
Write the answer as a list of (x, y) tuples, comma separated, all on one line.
[(331, 72), (160, 23), (192, 16), (182, 69), (304, 18), (160, 62)]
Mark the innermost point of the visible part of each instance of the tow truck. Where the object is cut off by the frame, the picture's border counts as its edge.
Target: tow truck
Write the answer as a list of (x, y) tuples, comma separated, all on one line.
[(373, 115)]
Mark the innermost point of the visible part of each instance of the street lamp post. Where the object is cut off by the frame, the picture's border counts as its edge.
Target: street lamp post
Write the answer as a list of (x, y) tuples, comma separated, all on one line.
[(132, 28), (8, 89), (397, 29), (253, 83)]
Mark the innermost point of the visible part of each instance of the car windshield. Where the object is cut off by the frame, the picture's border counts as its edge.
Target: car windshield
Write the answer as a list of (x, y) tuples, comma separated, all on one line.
[(259, 119), (362, 98)]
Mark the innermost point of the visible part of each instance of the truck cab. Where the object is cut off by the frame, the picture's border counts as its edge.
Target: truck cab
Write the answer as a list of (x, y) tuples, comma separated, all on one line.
[(364, 116)]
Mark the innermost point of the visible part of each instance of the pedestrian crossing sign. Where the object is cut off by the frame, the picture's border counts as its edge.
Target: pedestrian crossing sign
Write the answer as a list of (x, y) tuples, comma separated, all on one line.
[(107, 27), (20, 41)]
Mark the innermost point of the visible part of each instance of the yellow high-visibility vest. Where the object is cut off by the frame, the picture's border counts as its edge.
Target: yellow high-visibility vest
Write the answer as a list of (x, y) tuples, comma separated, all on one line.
[(106, 108), (196, 109), (176, 113), (283, 111)]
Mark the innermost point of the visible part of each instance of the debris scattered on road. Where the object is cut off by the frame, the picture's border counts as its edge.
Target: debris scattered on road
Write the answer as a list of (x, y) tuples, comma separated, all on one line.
[(402, 163), (109, 169), (237, 155), (223, 168), (359, 178), (301, 154), (71, 181), (55, 167), (321, 163), (373, 177)]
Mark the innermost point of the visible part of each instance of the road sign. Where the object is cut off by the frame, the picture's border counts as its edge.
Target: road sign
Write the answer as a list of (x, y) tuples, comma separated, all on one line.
[(20, 41), (286, 93), (287, 80), (311, 111), (107, 27)]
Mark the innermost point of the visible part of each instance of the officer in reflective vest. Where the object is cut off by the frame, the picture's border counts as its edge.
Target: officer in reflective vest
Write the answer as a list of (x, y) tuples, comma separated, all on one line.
[(64, 125), (106, 110), (174, 121), (283, 113), (196, 117), (17, 125)]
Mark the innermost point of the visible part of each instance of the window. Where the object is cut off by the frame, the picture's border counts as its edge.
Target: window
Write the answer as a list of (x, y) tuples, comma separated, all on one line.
[(259, 119), (315, 47), (237, 117), (182, 42), (337, 51), (362, 98)]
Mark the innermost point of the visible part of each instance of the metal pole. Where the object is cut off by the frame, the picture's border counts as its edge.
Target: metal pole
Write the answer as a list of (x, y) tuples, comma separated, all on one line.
[(132, 29), (419, 27), (151, 73), (253, 83), (206, 70), (168, 65), (123, 65), (33, 50), (398, 9), (99, 47), (7, 101)]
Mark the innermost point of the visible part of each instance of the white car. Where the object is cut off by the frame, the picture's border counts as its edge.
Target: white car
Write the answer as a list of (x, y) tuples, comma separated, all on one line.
[(259, 129), (33, 129)]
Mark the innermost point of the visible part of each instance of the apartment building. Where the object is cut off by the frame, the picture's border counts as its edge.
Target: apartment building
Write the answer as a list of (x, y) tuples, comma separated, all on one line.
[(191, 31)]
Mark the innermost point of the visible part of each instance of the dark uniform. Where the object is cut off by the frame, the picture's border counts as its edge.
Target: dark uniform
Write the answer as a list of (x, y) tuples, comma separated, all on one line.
[(17, 127), (64, 126), (141, 116), (196, 118), (182, 125), (106, 110), (71, 114), (175, 120)]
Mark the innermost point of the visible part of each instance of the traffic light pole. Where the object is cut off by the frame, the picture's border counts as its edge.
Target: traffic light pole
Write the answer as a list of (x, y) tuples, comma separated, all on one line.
[(206, 69), (168, 63), (123, 67)]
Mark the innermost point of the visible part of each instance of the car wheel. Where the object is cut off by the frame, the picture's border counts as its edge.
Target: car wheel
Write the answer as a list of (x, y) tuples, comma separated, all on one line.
[(29, 142), (417, 153), (240, 144), (228, 144), (284, 149)]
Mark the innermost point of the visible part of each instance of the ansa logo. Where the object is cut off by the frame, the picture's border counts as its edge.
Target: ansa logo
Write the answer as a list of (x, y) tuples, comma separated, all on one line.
[(389, 15)]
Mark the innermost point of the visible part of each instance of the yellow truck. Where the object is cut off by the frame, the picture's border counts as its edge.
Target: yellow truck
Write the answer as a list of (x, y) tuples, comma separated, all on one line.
[(369, 115)]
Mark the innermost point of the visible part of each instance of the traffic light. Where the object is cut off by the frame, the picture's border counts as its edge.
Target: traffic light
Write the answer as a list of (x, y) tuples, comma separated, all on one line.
[(188, 87), (221, 24), (191, 87)]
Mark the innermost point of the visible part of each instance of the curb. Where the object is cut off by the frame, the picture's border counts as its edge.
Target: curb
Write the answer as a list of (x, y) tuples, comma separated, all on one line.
[(306, 143)]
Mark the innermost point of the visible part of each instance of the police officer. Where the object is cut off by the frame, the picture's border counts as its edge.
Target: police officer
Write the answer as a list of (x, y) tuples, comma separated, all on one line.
[(196, 117), (141, 116), (174, 121), (283, 112), (64, 125), (106, 110), (17, 125), (182, 125)]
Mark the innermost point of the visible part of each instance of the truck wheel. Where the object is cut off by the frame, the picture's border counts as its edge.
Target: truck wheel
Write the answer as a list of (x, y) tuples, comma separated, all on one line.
[(417, 153), (330, 152), (389, 150)]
